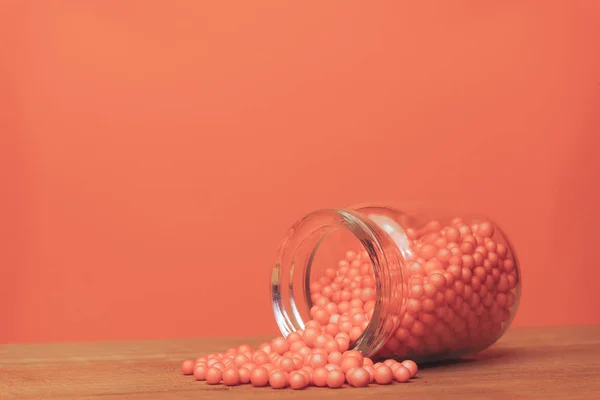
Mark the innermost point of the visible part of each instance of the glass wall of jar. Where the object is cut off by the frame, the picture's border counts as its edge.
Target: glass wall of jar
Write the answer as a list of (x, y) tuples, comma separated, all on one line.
[(400, 283)]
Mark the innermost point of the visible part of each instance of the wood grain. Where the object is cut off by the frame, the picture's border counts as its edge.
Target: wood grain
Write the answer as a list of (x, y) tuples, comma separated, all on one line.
[(528, 363)]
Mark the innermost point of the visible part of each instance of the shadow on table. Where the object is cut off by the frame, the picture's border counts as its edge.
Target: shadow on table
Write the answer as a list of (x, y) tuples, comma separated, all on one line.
[(488, 356)]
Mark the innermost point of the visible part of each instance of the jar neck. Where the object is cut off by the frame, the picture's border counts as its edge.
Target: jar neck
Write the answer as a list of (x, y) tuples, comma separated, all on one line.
[(291, 275)]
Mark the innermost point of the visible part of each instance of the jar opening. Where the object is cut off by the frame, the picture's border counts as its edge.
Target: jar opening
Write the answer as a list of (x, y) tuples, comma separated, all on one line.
[(318, 242)]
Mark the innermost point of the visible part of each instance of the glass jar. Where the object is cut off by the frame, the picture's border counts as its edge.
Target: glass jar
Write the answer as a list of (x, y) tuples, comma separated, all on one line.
[(403, 284)]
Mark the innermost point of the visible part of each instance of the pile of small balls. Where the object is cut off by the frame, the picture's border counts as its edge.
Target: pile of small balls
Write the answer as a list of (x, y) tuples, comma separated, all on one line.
[(310, 358), (458, 286), (317, 356)]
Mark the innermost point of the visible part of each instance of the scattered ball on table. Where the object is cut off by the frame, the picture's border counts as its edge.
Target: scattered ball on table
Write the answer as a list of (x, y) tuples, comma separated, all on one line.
[(244, 375), (350, 362), (298, 380), (187, 367), (200, 372), (411, 366), (402, 374), (383, 375), (360, 377), (214, 376), (259, 377), (278, 380), (231, 377), (335, 379), (319, 376)]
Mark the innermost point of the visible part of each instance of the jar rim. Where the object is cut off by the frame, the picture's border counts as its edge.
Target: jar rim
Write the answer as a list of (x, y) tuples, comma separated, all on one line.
[(292, 267)]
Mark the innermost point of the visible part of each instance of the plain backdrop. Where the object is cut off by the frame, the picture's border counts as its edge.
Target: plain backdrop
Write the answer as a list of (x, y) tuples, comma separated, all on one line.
[(154, 153)]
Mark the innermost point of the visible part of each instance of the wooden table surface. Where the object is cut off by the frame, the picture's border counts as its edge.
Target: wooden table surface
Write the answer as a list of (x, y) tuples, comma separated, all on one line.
[(531, 363)]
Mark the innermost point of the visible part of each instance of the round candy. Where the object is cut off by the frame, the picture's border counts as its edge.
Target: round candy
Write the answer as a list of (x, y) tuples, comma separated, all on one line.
[(411, 366), (350, 362), (359, 377), (317, 360), (245, 374), (280, 345), (200, 372), (298, 381), (187, 367), (213, 376), (402, 374), (319, 376), (383, 375), (231, 377), (335, 379), (259, 377), (278, 380)]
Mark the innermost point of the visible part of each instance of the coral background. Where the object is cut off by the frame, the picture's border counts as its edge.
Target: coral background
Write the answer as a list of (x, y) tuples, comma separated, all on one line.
[(153, 154)]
